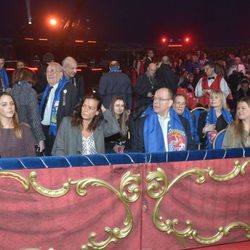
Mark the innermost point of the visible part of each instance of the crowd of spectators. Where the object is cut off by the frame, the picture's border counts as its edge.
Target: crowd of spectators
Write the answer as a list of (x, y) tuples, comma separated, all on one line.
[(148, 108)]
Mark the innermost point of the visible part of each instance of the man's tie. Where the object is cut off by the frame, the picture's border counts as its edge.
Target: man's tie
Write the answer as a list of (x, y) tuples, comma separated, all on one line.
[(46, 100)]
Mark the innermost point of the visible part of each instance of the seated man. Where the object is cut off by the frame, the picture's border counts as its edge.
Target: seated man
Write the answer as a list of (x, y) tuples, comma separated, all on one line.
[(160, 129)]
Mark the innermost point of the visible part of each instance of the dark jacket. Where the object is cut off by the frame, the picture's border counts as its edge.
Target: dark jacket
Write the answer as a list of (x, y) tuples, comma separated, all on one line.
[(115, 84), (167, 77), (78, 82), (143, 86), (137, 136), (66, 106), (67, 102)]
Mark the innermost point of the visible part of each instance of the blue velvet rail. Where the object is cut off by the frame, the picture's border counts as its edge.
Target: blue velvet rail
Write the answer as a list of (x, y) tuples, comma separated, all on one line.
[(109, 159)]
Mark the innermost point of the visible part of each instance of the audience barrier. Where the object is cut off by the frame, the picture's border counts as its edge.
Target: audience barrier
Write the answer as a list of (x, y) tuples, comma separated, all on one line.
[(180, 200)]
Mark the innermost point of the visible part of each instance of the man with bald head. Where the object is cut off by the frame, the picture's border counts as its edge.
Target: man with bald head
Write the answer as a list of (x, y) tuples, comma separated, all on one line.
[(69, 65), (160, 129), (145, 87), (115, 83), (58, 101)]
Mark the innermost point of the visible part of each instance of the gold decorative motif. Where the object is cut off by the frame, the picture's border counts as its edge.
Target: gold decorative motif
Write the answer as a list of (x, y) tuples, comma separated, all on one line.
[(45, 191), (16, 176), (129, 184), (129, 192), (158, 187), (238, 169)]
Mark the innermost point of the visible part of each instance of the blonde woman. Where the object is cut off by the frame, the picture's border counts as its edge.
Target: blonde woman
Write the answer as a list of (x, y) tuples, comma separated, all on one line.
[(216, 118), (238, 134)]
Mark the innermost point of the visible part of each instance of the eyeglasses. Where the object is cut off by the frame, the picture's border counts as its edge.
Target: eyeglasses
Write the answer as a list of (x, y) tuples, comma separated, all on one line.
[(52, 71), (160, 99)]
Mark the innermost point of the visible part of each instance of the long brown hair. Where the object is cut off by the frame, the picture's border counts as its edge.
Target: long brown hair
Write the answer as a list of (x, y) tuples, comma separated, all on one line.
[(123, 119), (238, 126), (77, 116), (15, 119), (24, 75)]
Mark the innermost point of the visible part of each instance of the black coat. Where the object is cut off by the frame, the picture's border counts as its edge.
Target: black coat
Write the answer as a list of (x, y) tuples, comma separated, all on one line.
[(143, 86), (167, 77), (78, 82), (115, 84)]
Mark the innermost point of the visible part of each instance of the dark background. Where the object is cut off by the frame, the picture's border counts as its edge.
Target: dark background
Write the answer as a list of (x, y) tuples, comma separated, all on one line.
[(209, 23)]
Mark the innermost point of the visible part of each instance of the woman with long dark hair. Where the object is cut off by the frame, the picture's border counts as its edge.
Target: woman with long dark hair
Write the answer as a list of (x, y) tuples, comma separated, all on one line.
[(16, 139), (118, 142), (84, 132), (238, 134)]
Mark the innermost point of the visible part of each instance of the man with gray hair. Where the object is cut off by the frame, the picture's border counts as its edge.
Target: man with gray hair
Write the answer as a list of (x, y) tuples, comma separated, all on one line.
[(115, 83), (69, 65), (58, 101)]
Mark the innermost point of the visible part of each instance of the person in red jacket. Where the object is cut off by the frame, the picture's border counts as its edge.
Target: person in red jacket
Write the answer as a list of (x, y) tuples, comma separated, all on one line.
[(210, 81)]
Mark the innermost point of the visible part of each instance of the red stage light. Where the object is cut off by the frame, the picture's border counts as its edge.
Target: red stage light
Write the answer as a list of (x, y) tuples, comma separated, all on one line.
[(164, 40), (187, 39), (53, 22)]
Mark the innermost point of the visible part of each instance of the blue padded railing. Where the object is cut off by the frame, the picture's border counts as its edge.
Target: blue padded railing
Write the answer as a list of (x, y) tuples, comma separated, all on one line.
[(110, 159)]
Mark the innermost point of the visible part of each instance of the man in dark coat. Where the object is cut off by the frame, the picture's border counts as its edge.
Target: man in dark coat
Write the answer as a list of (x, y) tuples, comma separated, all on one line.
[(69, 65), (166, 75), (145, 87), (115, 83)]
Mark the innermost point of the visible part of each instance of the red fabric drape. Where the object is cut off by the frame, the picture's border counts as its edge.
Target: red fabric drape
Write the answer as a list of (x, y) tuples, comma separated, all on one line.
[(29, 219)]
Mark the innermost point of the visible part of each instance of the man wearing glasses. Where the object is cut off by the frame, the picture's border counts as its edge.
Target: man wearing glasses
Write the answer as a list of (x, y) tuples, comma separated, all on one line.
[(160, 129), (58, 101)]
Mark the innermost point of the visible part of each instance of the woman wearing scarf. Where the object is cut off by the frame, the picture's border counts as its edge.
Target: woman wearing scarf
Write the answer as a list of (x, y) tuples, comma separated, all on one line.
[(214, 120), (179, 105)]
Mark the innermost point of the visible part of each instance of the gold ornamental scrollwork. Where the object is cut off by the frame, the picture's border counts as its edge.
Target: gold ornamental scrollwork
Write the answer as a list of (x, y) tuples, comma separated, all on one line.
[(129, 191), (52, 193), (158, 187), (16, 176)]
